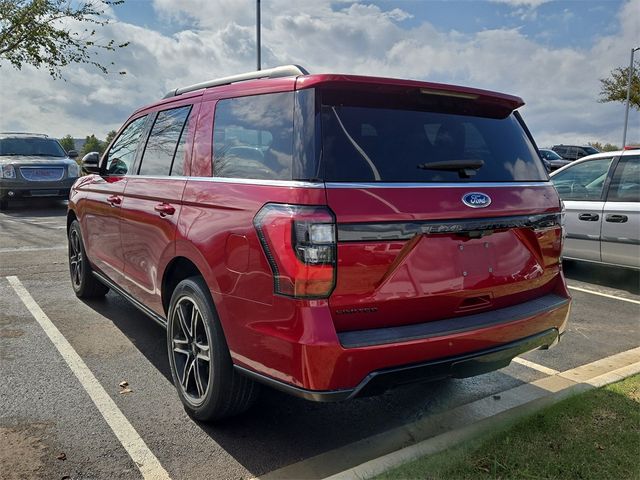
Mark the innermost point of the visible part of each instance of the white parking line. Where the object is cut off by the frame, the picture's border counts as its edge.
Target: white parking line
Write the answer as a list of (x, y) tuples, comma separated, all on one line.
[(31, 249), (536, 366), (135, 446), (630, 300)]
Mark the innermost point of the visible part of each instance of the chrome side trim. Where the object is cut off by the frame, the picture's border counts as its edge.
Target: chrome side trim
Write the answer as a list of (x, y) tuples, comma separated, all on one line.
[(624, 240), (469, 185), (143, 308), (272, 183)]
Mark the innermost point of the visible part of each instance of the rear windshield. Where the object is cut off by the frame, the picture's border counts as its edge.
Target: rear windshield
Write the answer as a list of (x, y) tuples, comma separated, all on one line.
[(388, 141), (40, 147)]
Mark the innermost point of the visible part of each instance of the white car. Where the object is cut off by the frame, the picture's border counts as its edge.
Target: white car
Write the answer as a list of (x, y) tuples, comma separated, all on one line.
[(601, 194)]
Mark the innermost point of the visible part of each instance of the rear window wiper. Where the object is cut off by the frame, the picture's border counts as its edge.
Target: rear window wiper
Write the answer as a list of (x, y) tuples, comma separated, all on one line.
[(465, 168)]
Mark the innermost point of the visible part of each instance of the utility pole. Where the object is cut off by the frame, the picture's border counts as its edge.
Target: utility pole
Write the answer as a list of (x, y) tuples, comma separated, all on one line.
[(258, 46), (626, 113)]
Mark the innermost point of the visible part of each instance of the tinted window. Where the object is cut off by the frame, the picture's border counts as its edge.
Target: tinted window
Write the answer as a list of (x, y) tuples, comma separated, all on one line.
[(253, 137), (550, 155), (376, 144), (590, 150), (625, 185), (123, 151), (178, 161), (583, 181), (39, 147), (163, 141)]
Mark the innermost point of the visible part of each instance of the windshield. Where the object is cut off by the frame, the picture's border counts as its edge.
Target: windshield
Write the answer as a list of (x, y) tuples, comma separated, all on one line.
[(34, 146), (591, 150), (550, 155), (393, 142)]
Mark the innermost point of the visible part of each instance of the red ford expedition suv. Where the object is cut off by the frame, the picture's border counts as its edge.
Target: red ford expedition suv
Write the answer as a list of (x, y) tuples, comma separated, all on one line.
[(330, 236)]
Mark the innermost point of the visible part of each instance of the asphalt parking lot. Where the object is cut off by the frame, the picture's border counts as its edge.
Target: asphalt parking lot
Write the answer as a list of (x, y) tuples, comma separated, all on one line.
[(51, 428)]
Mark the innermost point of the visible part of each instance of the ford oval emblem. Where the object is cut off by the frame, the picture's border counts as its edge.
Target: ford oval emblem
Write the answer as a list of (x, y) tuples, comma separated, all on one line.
[(476, 200)]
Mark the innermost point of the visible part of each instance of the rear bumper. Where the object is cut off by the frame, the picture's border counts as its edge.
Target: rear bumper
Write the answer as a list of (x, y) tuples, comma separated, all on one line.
[(316, 362), (460, 366)]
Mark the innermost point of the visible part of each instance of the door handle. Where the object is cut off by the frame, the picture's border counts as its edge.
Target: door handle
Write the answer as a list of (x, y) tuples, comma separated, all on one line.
[(114, 200), (164, 209), (589, 217), (616, 218)]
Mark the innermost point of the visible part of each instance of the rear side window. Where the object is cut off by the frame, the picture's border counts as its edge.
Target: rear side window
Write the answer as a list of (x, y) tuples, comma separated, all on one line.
[(253, 137), (163, 142), (122, 153), (583, 181), (625, 185), (409, 143)]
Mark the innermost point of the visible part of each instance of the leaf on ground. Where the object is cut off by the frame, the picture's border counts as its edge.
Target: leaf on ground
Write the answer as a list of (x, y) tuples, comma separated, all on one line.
[(62, 456), (124, 384), (599, 447), (125, 390)]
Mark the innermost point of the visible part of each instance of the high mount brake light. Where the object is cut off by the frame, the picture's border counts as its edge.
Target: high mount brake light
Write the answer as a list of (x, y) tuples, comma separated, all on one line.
[(300, 244)]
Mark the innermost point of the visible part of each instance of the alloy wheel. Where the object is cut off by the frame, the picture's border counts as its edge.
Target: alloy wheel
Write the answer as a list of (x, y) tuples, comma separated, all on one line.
[(76, 265), (190, 349)]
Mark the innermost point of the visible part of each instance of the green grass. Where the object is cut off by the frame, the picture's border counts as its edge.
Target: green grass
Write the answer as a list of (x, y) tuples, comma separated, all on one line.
[(594, 435)]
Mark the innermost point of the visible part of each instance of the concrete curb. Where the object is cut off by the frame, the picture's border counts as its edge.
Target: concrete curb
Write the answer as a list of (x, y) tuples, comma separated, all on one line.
[(558, 387)]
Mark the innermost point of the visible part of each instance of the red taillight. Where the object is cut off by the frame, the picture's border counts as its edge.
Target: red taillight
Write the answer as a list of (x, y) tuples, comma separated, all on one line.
[(300, 245)]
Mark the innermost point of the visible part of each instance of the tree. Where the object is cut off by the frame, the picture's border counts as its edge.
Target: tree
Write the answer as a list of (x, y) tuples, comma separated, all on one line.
[(68, 143), (92, 144), (52, 34), (614, 88), (110, 136), (607, 147)]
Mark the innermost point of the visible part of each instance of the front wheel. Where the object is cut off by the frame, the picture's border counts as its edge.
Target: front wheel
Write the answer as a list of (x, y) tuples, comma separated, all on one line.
[(199, 358), (84, 284)]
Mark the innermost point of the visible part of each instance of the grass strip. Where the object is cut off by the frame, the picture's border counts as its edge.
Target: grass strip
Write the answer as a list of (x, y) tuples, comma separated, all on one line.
[(593, 435)]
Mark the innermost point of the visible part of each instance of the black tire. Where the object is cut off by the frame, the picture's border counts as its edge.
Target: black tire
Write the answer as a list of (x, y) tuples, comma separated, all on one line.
[(198, 352), (84, 284), (4, 204)]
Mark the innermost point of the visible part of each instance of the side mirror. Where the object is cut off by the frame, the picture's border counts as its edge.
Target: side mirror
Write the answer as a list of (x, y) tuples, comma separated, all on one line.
[(91, 162), (72, 154)]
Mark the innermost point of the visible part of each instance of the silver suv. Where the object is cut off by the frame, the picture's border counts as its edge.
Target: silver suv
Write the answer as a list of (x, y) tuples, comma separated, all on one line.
[(34, 165)]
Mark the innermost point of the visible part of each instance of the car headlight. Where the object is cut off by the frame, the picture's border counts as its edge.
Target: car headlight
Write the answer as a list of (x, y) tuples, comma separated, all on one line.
[(73, 170), (7, 171)]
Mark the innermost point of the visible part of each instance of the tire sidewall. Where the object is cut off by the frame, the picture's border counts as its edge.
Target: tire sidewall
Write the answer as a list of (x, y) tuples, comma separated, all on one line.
[(75, 227), (193, 290)]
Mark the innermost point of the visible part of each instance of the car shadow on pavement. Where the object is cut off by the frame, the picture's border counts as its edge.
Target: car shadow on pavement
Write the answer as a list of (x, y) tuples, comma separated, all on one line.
[(280, 429), (612, 277)]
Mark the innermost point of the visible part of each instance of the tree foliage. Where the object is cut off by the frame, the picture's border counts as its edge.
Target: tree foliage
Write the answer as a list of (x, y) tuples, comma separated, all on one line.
[(614, 87), (110, 136), (92, 144), (68, 143), (607, 147), (52, 34)]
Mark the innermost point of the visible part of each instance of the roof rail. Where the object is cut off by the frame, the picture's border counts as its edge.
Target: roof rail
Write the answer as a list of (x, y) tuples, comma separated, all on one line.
[(275, 72), (26, 134)]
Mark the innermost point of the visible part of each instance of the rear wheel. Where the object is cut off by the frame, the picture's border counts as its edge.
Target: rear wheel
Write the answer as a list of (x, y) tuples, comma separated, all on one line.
[(84, 284), (199, 358)]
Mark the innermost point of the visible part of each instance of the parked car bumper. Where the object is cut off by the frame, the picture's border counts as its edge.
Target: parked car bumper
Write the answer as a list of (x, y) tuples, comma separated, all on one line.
[(22, 189)]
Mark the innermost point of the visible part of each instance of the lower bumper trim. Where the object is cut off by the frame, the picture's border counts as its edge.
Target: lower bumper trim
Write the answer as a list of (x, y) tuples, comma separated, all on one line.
[(460, 366)]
